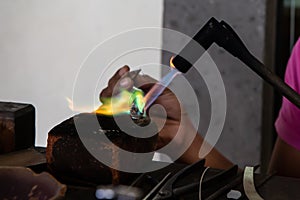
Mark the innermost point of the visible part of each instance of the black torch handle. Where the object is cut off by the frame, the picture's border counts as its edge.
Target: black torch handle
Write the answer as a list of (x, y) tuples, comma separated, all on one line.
[(223, 35), (233, 44), (271, 78)]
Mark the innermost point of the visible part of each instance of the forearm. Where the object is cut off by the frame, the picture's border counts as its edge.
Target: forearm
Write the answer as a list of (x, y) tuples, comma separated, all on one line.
[(213, 159), (285, 160)]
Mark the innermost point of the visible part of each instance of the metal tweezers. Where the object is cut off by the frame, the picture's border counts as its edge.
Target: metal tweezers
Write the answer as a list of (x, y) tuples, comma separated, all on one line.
[(164, 189)]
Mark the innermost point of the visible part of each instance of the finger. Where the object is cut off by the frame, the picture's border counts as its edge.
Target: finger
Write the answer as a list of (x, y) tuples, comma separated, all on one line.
[(104, 94), (116, 77), (108, 91), (123, 84), (143, 82)]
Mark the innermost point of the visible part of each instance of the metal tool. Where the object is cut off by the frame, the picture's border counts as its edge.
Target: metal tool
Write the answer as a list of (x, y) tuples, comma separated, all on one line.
[(210, 182), (227, 187), (133, 74), (236, 181), (166, 190), (223, 35), (157, 187)]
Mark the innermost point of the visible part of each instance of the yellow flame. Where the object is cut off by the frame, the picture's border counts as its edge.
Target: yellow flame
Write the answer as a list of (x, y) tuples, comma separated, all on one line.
[(70, 103), (119, 104), (171, 62), (122, 103), (79, 108)]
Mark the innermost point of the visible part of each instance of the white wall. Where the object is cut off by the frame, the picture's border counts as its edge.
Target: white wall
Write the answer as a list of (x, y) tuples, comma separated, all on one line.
[(42, 44)]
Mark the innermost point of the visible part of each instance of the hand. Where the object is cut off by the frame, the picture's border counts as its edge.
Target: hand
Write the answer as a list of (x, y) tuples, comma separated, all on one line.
[(119, 81), (177, 121)]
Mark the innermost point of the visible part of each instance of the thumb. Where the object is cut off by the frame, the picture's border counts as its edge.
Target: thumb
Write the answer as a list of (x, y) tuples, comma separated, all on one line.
[(126, 83)]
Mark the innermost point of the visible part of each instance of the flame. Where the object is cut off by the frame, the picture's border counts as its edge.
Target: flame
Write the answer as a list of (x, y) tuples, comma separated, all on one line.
[(122, 103), (70, 103), (171, 62), (119, 104), (78, 108), (160, 86)]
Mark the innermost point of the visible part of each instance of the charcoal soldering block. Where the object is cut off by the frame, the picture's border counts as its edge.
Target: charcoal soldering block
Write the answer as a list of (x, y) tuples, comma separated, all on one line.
[(17, 126)]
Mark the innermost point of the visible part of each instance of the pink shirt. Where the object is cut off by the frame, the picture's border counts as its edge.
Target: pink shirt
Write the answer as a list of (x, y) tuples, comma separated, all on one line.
[(288, 122)]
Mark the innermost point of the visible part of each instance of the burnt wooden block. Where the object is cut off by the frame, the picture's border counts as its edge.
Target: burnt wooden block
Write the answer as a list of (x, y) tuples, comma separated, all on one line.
[(68, 157), (17, 126)]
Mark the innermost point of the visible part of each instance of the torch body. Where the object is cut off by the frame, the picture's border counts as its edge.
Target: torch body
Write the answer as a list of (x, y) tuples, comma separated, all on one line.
[(223, 35)]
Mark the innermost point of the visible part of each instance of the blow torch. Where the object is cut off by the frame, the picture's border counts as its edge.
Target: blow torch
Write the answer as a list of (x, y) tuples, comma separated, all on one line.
[(224, 36)]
